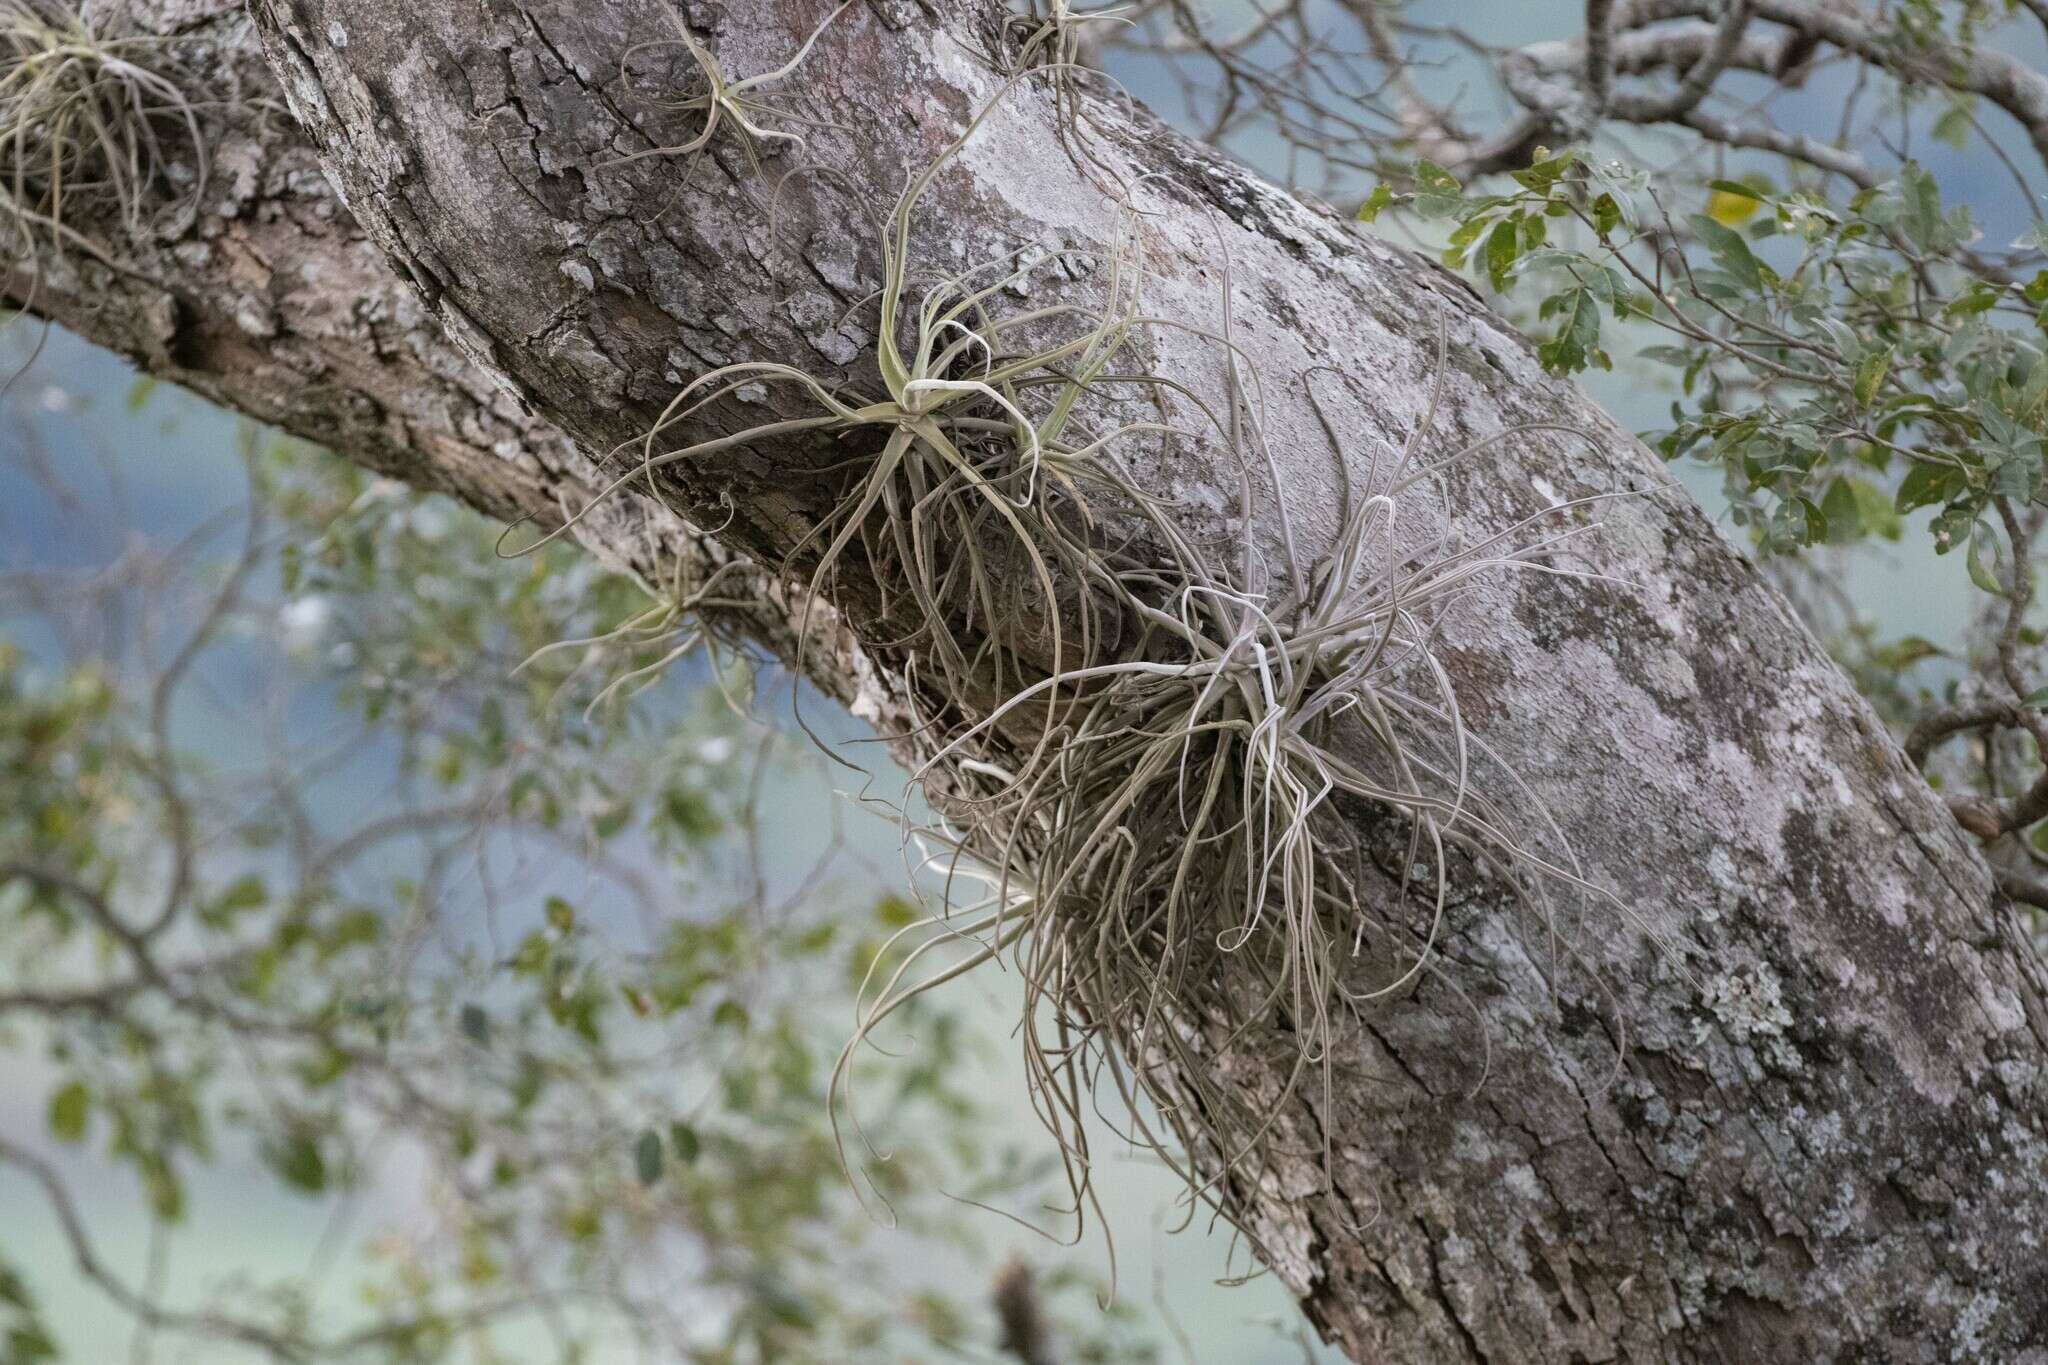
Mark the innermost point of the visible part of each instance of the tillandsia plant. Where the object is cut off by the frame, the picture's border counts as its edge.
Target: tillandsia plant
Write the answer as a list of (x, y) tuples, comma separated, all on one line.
[(82, 114), (1053, 33), (1191, 834), (681, 619), (1057, 37), (745, 105), (983, 452)]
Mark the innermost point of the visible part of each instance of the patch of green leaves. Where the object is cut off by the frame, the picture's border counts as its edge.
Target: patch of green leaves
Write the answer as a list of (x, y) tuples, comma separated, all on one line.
[(1843, 363)]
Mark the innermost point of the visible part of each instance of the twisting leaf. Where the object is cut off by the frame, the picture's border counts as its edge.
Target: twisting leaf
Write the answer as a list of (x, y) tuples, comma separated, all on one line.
[(1502, 247), (1983, 559), (1870, 375)]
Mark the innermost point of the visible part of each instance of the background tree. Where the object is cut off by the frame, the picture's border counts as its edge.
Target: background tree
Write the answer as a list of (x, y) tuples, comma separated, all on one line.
[(1778, 1143), (538, 956)]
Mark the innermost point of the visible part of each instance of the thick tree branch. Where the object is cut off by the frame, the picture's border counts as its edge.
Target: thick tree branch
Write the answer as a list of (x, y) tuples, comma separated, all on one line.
[(1833, 1090), (273, 302)]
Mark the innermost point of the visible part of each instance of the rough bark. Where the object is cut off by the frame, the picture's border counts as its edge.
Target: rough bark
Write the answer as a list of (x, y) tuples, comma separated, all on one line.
[(265, 296), (1823, 1141)]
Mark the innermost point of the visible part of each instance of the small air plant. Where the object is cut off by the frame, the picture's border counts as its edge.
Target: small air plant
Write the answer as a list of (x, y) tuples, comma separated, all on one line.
[(984, 462), (680, 620), (745, 106), (1056, 36), (1055, 41), (82, 114)]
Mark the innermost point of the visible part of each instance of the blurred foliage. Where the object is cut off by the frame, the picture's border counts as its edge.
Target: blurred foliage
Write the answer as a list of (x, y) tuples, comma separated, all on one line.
[(1842, 364), (532, 954)]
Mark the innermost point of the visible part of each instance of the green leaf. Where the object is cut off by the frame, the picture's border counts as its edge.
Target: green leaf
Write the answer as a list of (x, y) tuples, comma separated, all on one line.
[(647, 1157), (1606, 215), (69, 1108), (1855, 508), (1467, 232), (325, 1067), (1381, 197), (691, 813), (1729, 250), (561, 915), (246, 892), (1541, 175), (166, 1193), (1953, 127), (532, 955), (491, 729), (1437, 192), (1905, 652), (1983, 546), (1924, 485), (686, 1142), (1980, 297), (475, 1023), (13, 1292), (1502, 246), (1578, 334), (1870, 375), (1731, 202), (1816, 529), (351, 928), (1433, 177), (27, 1343), (297, 1160), (1844, 518), (611, 820), (1874, 508)]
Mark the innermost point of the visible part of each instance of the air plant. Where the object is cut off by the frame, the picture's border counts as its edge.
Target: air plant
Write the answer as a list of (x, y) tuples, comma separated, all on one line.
[(1054, 41), (681, 619), (82, 114), (1055, 37), (984, 459), (1192, 857), (744, 105)]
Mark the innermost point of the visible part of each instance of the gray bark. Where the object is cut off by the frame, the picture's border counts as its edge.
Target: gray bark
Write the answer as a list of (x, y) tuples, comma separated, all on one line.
[(272, 301), (1822, 1142)]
